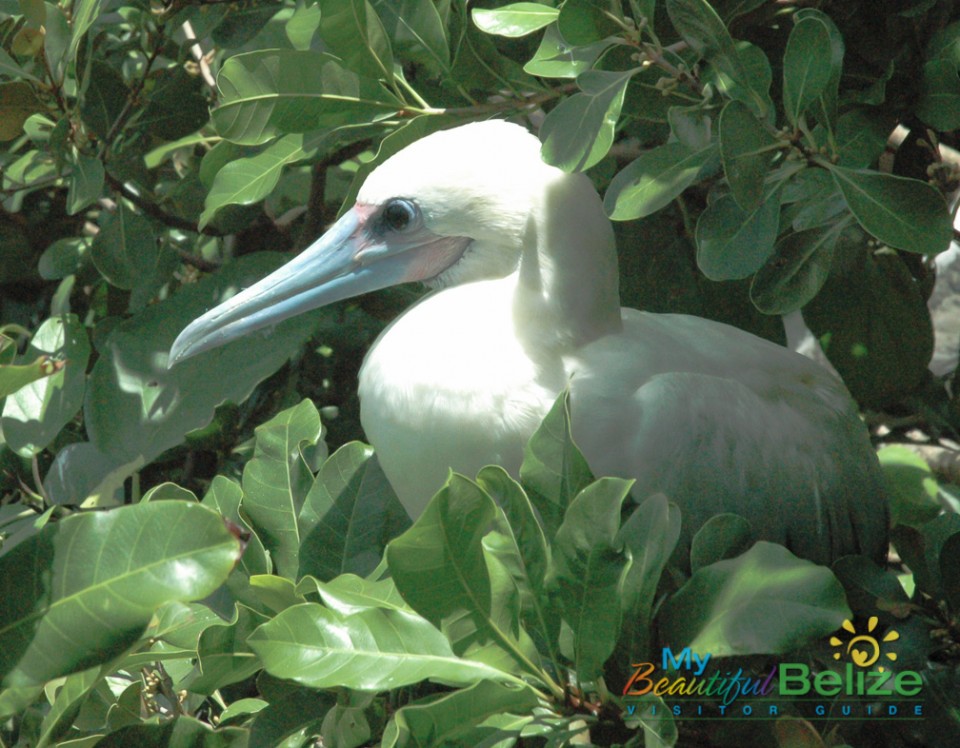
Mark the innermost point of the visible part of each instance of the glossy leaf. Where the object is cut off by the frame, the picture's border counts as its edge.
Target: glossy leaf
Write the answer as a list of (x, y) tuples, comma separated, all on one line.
[(224, 655), (558, 58), (305, 91), (796, 271), (86, 183), (352, 30), (349, 593), (84, 588), (874, 326), (554, 470), (516, 19), (587, 566), (904, 213), (248, 180), (653, 180), (457, 718), (747, 148), (911, 486), (579, 131), (807, 67), (417, 31), (124, 248), (276, 481), (733, 243), (372, 650), (348, 516), (586, 21), (35, 414), (766, 601), (14, 377), (861, 137)]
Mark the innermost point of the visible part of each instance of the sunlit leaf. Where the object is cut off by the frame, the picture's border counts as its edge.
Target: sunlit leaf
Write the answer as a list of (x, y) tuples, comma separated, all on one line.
[(84, 588), (516, 19)]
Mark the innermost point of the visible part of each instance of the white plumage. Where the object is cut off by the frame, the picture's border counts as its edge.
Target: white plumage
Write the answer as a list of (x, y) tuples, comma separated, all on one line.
[(527, 304)]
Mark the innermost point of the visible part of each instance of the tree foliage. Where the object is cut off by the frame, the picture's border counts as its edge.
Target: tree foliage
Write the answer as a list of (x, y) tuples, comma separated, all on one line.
[(758, 158)]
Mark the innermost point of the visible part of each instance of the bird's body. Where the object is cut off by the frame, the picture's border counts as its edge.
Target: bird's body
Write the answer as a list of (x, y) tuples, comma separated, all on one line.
[(527, 305)]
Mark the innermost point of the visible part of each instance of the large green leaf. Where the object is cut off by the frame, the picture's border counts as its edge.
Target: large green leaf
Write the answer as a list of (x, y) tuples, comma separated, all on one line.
[(135, 407), (587, 567), (766, 601), (747, 147), (373, 650), (441, 570), (807, 67), (83, 589), (458, 718), (796, 271), (733, 243), (104, 98), (271, 92), (554, 470), (939, 104), (86, 183), (349, 515), (650, 534), (587, 21), (904, 213), (124, 249), (276, 481), (224, 655), (873, 323), (35, 414), (579, 131), (651, 181), (911, 486), (352, 30), (516, 19), (416, 31), (558, 58), (16, 376)]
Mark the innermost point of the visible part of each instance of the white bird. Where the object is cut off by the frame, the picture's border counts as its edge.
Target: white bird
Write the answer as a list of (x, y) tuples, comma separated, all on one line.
[(526, 303)]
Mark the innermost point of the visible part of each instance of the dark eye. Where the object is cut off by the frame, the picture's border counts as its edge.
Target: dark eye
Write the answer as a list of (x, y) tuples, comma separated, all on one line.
[(399, 214)]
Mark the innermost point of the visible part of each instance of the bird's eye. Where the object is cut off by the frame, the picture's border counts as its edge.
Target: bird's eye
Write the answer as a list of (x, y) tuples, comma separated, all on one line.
[(399, 214)]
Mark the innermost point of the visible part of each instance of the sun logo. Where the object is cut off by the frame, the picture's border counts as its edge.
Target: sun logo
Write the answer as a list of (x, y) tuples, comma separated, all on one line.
[(864, 649)]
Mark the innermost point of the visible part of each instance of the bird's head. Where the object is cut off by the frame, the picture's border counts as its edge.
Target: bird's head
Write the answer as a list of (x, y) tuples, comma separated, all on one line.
[(450, 208)]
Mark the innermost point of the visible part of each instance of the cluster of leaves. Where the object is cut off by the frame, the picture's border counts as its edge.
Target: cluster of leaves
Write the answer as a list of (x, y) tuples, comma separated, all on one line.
[(737, 146)]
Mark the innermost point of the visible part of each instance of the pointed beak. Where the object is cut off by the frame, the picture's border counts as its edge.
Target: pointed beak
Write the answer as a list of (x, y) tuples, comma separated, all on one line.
[(350, 259)]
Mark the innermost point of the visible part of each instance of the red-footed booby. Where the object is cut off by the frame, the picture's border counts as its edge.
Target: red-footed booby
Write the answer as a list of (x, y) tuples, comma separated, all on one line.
[(526, 303)]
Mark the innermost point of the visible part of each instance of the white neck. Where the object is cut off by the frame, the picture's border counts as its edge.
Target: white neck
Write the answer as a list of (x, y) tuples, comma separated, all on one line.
[(568, 289)]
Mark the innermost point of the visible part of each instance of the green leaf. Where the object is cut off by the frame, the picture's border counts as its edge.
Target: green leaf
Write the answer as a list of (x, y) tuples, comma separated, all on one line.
[(873, 323), (86, 183), (176, 107), (276, 91), (753, 89), (651, 181), (586, 21), (826, 104), (691, 126), (904, 213), (870, 588), (224, 654), (457, 718), (18, 102), (180, 732), (807, 67), (911, 486), (650, 534), (766, 601), (516, 19), (372, 650), (416, 31), (135, 407), (862, 136), (441, 570), (747, 149), (796, 271), (722, 536), (83, 589), (939, 103), (291, 715), (349, 593), (224, 496), (702, 29), (11, 69), (554, 469), (587, 567), (124, 249), (733, 243), (558, 58), (276, 481), (83, 14), (34, 415), (67, 703), (349, 515), (579, 131), (15, 377), (352, 30), (246, 181), (103, 99)]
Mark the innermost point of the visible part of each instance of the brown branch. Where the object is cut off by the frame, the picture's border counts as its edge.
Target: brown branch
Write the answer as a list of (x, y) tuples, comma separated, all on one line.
[(316, 214)]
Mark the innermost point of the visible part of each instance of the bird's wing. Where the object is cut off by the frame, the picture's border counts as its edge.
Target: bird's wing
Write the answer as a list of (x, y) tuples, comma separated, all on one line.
[(722, 421)]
